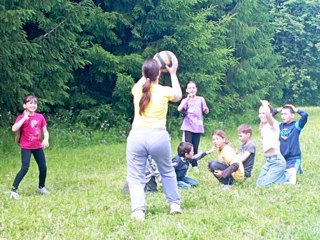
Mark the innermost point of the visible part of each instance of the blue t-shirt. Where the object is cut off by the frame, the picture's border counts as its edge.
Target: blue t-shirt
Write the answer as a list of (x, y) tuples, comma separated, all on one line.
[(289, 138)]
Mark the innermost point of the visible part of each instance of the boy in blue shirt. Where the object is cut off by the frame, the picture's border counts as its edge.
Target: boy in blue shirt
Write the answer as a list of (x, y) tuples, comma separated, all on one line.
[(182, 161), (289, 138)]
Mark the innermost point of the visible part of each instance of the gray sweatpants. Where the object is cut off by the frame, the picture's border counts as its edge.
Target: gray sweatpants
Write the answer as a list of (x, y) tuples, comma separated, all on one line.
[(140, 144)]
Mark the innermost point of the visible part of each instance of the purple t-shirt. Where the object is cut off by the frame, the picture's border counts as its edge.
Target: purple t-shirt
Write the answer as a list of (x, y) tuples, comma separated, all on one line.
[(193, 115)]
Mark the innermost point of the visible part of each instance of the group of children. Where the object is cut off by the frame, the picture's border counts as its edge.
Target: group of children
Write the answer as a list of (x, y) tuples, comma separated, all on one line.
[(230, 166), (280, 145), (280, 142)]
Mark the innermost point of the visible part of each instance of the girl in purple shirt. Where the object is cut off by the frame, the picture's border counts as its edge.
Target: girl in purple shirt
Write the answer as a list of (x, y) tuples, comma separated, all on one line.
[(193, 107)]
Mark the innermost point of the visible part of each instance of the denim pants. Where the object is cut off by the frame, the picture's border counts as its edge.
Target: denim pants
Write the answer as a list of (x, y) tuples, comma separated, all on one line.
[(187, 182), (140, 144), (273, 171), (25, 163)]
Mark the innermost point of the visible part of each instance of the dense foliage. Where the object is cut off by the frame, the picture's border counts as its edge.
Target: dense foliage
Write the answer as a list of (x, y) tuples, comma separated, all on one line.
[(82, 57)]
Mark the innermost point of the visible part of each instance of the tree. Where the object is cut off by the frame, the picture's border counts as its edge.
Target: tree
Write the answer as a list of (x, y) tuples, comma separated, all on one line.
[(254, 76), (297, 40), (39, 49)]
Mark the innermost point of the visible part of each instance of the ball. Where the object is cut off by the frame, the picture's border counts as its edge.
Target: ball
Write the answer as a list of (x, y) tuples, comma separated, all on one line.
[(164, 58)]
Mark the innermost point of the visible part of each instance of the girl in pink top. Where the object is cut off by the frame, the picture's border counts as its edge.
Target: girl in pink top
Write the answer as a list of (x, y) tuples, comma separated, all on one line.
[(30, 126), (193, 107)]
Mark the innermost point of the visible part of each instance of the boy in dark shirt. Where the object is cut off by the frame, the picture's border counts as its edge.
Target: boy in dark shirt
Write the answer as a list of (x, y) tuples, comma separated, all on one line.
[(247, 149), (289, 138), (182, 161)]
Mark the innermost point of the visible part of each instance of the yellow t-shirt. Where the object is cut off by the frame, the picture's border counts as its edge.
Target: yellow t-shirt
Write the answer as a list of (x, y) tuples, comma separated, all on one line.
[(228, 156), (155, 115)]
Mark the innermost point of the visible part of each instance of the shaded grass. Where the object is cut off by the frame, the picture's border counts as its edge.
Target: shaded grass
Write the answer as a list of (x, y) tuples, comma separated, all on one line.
[(87, 201)]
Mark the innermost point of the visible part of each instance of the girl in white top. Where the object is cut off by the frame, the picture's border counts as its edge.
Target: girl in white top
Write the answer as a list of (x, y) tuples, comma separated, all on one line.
[(274, 169)]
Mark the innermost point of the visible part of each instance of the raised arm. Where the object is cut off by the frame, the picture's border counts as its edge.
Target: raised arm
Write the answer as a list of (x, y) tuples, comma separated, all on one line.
[(303, 119), (174, 80), (270, 119), (183, 103), (18, 124)]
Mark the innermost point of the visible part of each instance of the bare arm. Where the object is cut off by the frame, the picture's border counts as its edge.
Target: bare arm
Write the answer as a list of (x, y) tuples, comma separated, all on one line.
[(243, 157), (45, 141), (270, 119), (177, 93), (183, 103), (18, 124)]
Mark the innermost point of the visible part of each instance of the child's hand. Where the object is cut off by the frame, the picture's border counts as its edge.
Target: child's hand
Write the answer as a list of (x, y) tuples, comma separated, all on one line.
[(174, 67), (218, 173), (206, 110), (45, 143), (264, 103), (211, 150), (26, 115), (293, 107)]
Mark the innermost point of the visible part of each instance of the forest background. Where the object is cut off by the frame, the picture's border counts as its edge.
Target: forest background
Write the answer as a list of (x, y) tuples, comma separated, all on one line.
[(81, 59)]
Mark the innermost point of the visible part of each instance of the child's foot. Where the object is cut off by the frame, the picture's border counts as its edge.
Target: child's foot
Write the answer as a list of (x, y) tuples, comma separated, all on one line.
[(138, 215), (14, 195), (175, 208), (43, 191), (293, 176), (225, 187)]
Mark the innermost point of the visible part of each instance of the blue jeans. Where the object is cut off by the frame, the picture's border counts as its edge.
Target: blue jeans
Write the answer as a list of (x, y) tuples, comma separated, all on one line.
[(187, 182), (273, 171), (140, 144)]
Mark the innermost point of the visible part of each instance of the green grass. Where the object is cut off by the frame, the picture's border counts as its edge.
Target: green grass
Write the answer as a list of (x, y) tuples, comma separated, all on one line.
[(87, 202)]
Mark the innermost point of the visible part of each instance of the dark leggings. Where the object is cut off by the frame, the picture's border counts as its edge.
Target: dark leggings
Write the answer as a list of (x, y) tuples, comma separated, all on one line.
[(193, 138), (215, 165), (25, 163)]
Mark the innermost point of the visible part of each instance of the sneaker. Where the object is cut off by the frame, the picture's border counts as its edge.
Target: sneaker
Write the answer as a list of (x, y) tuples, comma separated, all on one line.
[(175, 208), (138, 215), (293, 176), (225, 187), (43, 191), (14, 195)]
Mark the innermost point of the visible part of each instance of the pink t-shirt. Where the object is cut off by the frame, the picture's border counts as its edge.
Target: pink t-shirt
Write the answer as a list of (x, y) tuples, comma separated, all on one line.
[(31, 131), (193, 115)]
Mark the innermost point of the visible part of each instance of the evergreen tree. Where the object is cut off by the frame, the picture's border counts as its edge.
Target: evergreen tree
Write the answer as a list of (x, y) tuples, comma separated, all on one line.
[(40, 49), (254, 75), (297, 40)]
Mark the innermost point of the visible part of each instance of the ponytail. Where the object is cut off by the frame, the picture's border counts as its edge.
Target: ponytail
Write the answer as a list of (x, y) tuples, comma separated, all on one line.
[(151, 71), (146, 96)]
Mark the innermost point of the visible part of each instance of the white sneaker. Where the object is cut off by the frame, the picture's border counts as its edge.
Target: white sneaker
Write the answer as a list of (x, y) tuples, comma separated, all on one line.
[(293, 175), (175, 208), (14, 195), (225, 187), (43, 191), (138, 215)]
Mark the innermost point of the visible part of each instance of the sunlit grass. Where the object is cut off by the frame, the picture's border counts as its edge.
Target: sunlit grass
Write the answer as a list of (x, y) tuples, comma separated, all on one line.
[(87, 201)]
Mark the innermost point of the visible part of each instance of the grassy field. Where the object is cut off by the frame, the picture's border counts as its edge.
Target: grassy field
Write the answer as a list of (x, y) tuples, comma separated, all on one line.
[(87, 202)]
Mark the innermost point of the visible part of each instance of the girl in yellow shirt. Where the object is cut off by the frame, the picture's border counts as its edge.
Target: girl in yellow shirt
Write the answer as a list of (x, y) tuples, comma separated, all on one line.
[(228, 167)]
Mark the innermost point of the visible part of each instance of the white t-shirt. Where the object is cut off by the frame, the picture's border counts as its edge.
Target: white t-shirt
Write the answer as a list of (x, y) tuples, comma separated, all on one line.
[(270, 137)]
